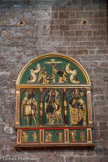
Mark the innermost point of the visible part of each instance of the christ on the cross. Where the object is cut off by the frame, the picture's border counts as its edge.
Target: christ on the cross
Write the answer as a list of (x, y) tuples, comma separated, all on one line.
[(53, 63)]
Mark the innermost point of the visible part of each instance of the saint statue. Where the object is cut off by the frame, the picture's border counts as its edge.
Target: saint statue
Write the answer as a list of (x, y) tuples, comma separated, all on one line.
[(43, 76), (35, 136), (73, 135), (48, 136), (24, 136), (77, 109), (62, 75), (82, 135), (53, 107), (60, 136), (29, 106)]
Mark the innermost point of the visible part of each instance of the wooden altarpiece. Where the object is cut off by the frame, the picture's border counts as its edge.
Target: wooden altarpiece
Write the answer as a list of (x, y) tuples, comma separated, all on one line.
[(53, 104)]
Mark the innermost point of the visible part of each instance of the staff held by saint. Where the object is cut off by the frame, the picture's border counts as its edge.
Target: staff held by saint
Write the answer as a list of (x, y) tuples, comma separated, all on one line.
[(29, 106)]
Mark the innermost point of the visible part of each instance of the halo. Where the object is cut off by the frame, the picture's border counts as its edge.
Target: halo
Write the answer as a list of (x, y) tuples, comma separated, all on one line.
[(29, 90)]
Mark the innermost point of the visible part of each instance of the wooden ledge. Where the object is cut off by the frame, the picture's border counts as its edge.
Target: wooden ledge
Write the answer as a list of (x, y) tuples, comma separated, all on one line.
[(81, 146), (54, 127)]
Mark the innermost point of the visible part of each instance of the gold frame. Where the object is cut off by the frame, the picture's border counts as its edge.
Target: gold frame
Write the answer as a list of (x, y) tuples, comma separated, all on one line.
[(41, 87)]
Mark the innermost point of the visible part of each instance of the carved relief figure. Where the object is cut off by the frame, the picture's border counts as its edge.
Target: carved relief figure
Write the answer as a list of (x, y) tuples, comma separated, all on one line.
[(73, 135), (53, 63), (53, 107), (48, 136), (60, 136), (43, 76), (29, 106), (72, 73), (82, 135), (33, 72), (35, 135), (77, 109), (24, 136), (62, 75)]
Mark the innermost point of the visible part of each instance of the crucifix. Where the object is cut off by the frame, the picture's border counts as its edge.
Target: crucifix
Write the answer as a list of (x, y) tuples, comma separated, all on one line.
[(53, 64)]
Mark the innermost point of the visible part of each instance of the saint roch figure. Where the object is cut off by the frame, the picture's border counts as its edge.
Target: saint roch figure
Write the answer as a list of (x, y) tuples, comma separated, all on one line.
[(77, 109), (29, 106)]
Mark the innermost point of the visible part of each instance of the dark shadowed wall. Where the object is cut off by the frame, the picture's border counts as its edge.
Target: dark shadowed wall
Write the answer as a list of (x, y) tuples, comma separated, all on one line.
[(76, 28)]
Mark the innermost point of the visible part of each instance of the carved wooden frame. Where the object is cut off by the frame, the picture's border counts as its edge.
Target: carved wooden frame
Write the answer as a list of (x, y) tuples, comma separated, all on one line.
[(42, 128)]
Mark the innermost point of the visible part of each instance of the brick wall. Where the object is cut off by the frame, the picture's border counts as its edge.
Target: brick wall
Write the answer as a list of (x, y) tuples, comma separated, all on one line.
[(77, 28)]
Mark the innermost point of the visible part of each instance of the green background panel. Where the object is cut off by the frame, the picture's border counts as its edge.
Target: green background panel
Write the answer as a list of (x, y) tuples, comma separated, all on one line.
[(85, 101), (30, 133), (23, 121), (80, 76), (55, 135), (60, 98), (78, 131)]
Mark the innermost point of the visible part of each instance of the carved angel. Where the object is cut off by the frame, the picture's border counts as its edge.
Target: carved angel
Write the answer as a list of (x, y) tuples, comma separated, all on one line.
[(72, 73), (33, 72)]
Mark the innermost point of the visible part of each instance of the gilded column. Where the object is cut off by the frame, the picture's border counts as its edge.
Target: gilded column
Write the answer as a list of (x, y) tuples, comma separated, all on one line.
[(89, 107), (41, 108), (18, 136), (65, 107), (17, 114)]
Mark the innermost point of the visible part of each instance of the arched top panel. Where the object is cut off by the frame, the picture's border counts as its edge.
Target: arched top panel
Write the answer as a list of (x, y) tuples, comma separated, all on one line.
[(53, 69)]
